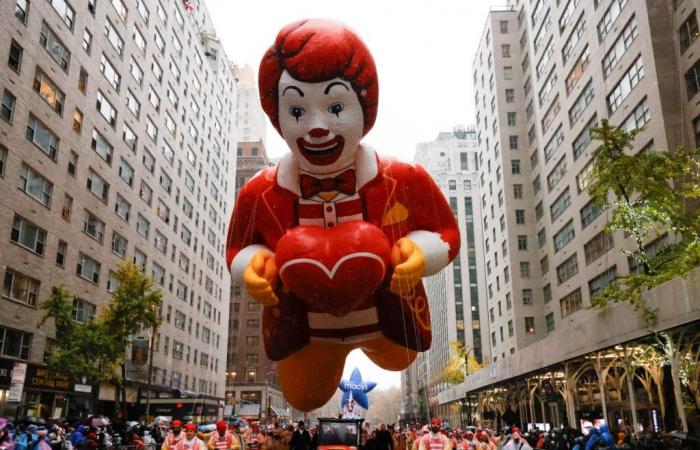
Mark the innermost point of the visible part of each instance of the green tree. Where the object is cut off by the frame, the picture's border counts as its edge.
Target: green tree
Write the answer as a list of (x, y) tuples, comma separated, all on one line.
[(647, 195), (456, 369), (97, 348)]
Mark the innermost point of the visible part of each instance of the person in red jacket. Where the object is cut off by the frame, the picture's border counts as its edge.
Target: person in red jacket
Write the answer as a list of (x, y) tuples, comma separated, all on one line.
[(318, 85)]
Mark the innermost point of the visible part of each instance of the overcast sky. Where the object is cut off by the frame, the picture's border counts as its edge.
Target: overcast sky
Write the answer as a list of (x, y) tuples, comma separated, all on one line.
[(423, 51)]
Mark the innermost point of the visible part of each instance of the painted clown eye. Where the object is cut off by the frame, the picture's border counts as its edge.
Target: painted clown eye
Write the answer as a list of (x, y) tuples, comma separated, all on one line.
[(296, 112), (335, 108)]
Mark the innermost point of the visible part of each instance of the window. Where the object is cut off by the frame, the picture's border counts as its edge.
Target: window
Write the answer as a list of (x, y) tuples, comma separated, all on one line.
[(522, 242), (569, 11), (106, 109), (3, 159), (536, 185), (160, 242), (133, 104), (623, 42), (452, 185), (110, 73), (158, 274), (583, 100), (139, 40), (598, 246), (688, 31), (513, 142), (97, 185), (114, 38), (178, 349), (551, 114), (22, 10), (548, 85), (584, 138), (520, 216), (8, 106), (20, 287), (122, 208), (136, 71), (539, 210), (503, 26), (83, 81), (160, 42), (77, 121), (119, 244), (121, 9), (143, 10), (530, 325), (567, 269), (556, 174), (601, 281), (511, 117), (549, 322), (560, 205), (35, 185), (627, 83), (505, 50), (140, 258), (524, 269), (544, 265), (583, 178), (589, 213), (571, 303), (168, 152), (142, 226), (64, 11), (93, 226), (113, 284), (565, 235), (527, 296), (129, 138), (153, 98), (48, 90), (518, 191), (165, 181), (545, 58), (577, 71), (14, 343), (100, 145), (510, 95), (149, 162), (179, 319), (146, 193), (15, 58), (553, 145), (88, 268), (638, 118), (606, 23), (163, 211), (126, 172), (67, 207), (42, 137), (61, 251)]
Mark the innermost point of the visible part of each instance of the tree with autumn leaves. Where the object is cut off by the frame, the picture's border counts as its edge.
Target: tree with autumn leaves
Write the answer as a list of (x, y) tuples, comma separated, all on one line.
[(97, 348), (647, 195)]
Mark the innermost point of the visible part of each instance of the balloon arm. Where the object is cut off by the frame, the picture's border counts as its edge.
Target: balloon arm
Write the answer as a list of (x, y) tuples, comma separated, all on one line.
[(242, 259)]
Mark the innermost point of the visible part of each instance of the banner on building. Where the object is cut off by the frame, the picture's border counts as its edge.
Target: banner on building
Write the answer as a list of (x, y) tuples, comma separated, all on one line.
[(19, 373), (139, 352)]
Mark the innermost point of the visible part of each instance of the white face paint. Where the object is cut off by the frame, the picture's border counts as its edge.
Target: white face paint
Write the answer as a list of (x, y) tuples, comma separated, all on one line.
[(321, 122)]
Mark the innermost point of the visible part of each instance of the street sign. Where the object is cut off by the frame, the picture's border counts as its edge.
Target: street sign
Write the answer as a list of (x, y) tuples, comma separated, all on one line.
[(19, 372)]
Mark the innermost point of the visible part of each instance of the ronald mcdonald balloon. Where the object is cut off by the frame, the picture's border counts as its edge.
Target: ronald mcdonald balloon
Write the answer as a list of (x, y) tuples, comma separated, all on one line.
[(335, 239)]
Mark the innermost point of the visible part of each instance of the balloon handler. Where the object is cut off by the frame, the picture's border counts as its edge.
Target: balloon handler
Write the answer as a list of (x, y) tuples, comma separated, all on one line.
[(335, 239)]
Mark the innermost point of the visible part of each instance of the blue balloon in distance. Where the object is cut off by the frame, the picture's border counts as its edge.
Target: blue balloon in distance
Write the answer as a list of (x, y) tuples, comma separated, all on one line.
[(357, 387)]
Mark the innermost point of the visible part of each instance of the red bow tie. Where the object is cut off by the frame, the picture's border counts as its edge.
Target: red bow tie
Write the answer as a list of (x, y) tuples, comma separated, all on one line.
[(310, 186)]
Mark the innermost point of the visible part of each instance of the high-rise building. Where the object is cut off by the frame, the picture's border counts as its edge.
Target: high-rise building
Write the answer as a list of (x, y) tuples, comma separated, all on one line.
[(456, 294), (116, 143), (250, 118), (544, 73), (252, 380)]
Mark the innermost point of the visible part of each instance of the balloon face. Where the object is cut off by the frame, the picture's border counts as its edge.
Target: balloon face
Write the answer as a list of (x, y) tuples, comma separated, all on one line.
[(333, 270), (321, 122)]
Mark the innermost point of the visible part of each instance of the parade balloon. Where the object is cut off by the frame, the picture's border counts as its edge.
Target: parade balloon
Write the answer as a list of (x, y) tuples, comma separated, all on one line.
[(334, 239), (356, 388)]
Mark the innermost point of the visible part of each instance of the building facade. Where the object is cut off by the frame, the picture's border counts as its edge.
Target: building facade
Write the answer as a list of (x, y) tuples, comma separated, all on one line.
[(544, 73), (118, 128), (252, 380), (250, 118), (456, 294)]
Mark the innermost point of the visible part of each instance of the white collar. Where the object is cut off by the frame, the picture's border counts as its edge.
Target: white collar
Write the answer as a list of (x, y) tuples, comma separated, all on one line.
[(366, 169)]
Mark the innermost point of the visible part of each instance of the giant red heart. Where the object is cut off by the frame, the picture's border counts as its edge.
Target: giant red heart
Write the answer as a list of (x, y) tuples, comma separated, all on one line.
[(333, 270)]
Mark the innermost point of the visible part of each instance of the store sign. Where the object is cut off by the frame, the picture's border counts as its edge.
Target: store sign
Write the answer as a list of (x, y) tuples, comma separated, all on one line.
[(19, 373), (83, 388), (43, 378)]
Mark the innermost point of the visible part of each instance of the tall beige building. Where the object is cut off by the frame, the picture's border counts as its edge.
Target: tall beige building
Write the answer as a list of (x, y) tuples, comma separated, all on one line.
[(117, 142), (250, 117), (544, 72)]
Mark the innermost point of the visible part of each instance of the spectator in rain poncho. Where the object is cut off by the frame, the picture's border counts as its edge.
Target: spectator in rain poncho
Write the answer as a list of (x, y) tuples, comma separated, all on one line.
[(6, 442)]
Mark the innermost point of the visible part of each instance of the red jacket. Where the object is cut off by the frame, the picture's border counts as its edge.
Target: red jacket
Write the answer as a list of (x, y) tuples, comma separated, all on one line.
[(399, 198)]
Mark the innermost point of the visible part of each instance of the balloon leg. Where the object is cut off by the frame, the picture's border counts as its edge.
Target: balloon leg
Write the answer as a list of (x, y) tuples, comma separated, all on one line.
[(388, 355), (310, 376)]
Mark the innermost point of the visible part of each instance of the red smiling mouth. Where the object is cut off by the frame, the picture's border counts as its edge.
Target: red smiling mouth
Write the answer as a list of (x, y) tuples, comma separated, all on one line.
[(322, 154)]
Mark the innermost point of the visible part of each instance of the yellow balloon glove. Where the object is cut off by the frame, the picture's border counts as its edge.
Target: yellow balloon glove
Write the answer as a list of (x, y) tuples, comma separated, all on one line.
[(409, 267), (260, 277)]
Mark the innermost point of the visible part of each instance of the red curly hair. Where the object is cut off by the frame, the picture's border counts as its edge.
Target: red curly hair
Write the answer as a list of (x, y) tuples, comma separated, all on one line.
[(317, 50)]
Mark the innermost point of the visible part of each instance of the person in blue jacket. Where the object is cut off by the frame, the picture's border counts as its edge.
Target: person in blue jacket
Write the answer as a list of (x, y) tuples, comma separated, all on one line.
[(76, 438), (593, 438)]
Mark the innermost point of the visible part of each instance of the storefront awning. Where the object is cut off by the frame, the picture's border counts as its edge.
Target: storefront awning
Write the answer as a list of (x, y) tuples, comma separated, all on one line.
[(279, 412), (248, 410)]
